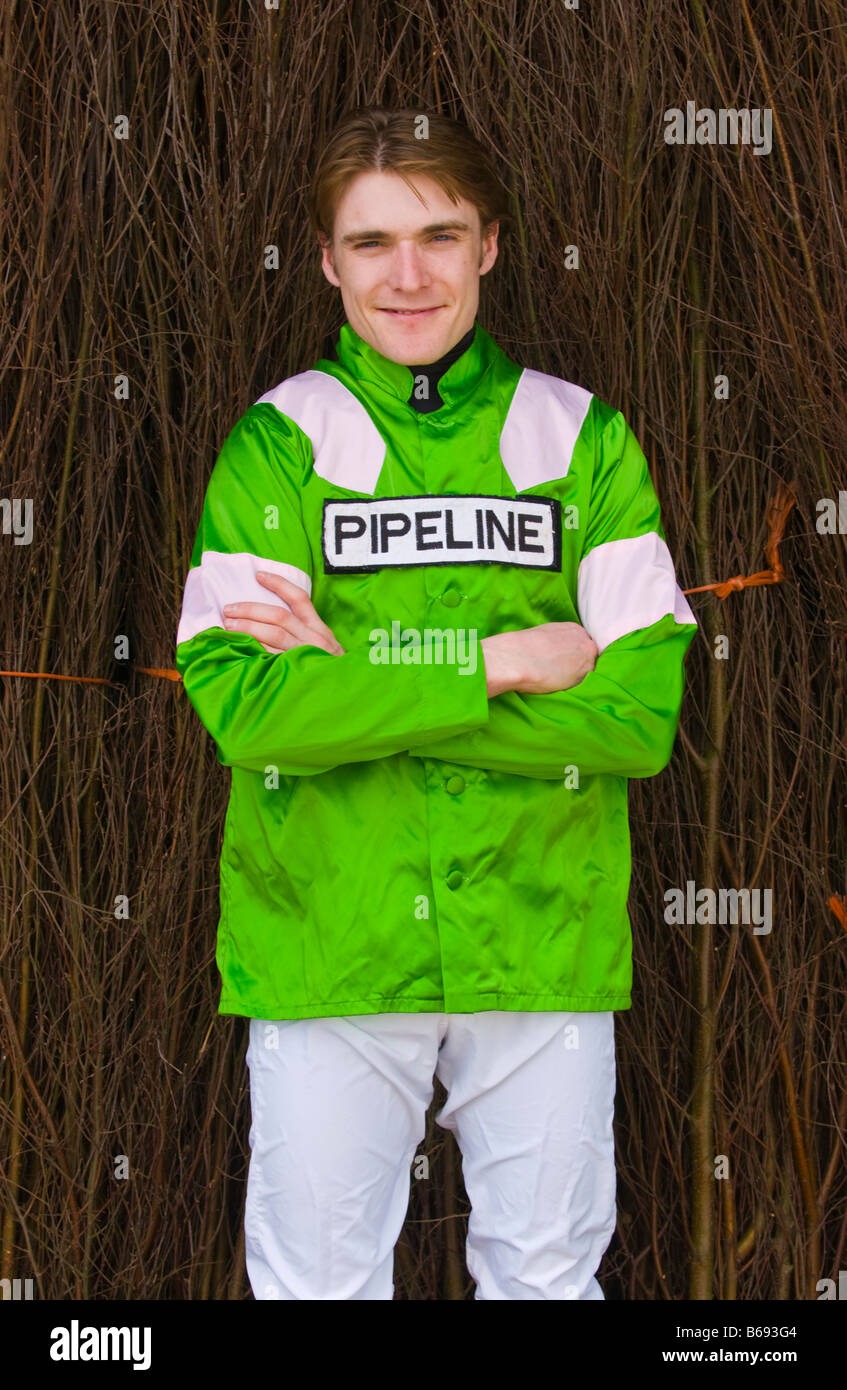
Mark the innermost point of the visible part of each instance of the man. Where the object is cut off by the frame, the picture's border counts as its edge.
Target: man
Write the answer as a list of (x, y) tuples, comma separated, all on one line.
[(433, 626)]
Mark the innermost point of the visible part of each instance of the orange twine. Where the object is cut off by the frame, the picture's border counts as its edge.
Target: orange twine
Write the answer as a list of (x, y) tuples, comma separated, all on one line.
[(777, 513), (95, 680), (837, 904)]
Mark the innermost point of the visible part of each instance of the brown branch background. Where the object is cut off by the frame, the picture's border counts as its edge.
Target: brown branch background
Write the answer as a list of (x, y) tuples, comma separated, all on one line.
[(139, 321)]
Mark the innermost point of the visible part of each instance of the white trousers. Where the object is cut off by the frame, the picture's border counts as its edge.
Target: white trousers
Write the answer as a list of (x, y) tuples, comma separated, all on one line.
[(339, 1108)]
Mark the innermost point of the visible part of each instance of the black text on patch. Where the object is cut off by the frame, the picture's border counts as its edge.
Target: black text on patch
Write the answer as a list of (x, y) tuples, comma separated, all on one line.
[(359, 536)]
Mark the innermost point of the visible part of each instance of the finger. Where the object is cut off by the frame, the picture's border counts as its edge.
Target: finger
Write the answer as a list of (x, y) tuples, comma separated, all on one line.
[(238, 617), (274, 638), (258, 612), (276, 616), (283, 625), (279, 628), (297, 599), (286, 590)]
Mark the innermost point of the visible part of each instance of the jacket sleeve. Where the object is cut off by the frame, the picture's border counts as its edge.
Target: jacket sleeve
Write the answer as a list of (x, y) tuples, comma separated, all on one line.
[(623, 716), (306, 710)]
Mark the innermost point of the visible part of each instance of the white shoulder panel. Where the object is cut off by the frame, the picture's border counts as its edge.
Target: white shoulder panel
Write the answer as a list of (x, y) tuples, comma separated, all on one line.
[(628, 584), (348, 449), (541, 427)]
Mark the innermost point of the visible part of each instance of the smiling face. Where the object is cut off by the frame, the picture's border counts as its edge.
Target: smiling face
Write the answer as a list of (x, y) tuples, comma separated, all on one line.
[(393, 253)]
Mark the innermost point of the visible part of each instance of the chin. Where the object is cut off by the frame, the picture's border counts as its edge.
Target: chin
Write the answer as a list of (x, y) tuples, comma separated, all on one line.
[(409, 346)]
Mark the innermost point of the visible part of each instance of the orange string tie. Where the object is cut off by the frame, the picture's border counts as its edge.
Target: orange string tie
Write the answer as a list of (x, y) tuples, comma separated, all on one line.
[(839, 907), (159, 671), (778, 510), (51, 676)]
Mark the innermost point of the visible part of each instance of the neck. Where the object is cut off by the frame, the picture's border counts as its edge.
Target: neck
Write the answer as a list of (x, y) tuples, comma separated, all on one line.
[(424, 397)]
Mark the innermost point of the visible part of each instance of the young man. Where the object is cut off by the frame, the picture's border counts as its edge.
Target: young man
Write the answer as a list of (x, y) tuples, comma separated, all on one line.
[(433, 626)]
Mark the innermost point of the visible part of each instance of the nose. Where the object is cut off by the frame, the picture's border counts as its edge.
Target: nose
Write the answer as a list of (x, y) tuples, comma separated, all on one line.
[(408, 271)]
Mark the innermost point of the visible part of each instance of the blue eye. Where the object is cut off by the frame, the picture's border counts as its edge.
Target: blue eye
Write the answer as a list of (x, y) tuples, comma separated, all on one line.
[(359, 245)]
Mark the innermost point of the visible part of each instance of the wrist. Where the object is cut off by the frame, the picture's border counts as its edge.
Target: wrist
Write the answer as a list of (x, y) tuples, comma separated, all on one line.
[(500, 672)]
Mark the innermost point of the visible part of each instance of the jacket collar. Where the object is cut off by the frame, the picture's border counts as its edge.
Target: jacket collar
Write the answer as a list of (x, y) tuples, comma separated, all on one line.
[(458, 382)]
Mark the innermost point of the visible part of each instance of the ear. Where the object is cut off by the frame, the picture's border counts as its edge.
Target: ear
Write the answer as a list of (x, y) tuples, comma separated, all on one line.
[(489, 247), (326, 261)]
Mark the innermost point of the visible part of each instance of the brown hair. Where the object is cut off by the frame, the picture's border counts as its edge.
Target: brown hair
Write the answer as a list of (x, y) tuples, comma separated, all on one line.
[(373, 137)]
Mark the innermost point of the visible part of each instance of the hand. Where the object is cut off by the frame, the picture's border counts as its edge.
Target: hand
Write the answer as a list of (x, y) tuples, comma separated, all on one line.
[(279, 629), (538, 660)]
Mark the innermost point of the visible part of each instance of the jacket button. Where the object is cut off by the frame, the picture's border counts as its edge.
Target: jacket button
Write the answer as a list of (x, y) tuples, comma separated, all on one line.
[(451, 599), (455, 785), (455, 879)]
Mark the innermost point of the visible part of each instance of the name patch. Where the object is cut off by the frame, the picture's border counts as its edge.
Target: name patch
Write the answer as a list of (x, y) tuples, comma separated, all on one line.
[(360, 536)]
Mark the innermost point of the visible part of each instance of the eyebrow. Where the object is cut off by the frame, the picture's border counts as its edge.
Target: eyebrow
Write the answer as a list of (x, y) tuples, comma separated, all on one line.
[(425, 231)]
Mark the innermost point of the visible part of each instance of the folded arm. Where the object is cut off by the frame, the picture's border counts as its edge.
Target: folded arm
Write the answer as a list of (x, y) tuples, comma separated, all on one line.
[(622, 717), (306, 710)]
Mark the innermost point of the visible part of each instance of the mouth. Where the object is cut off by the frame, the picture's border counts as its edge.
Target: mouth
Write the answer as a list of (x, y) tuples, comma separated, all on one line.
[(412, 313)]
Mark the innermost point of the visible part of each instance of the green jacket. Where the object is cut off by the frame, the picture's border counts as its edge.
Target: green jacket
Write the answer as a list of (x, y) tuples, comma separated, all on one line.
[(394, 841)]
